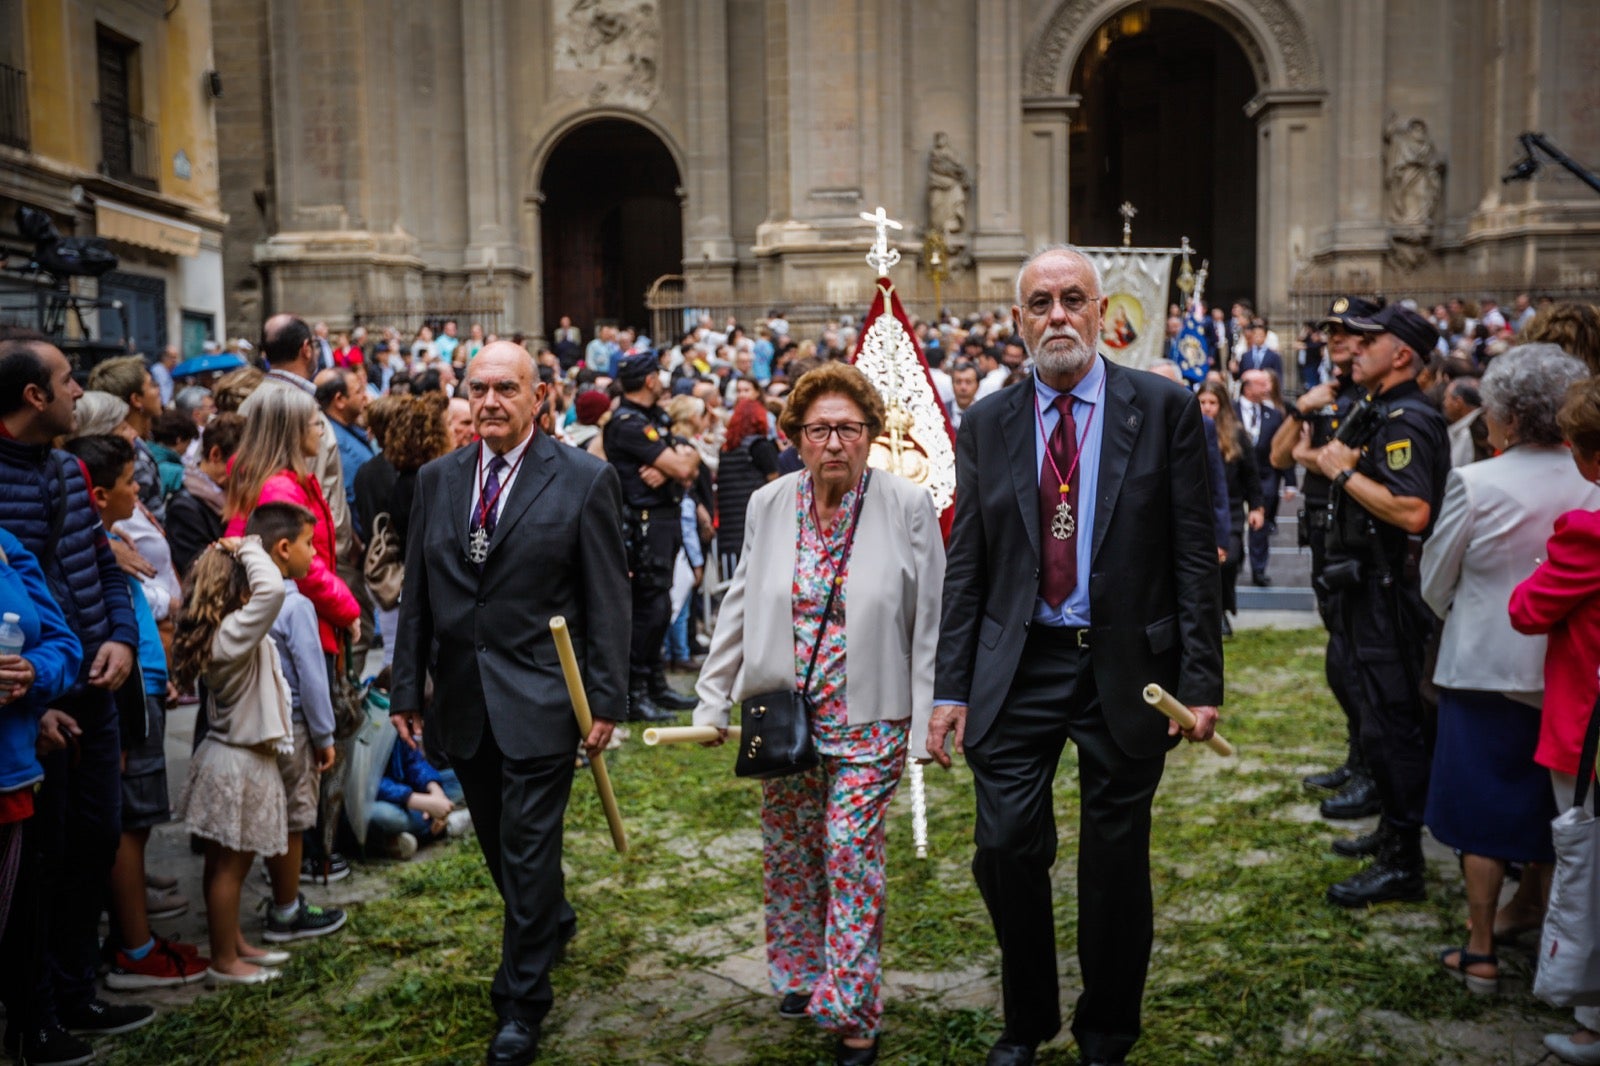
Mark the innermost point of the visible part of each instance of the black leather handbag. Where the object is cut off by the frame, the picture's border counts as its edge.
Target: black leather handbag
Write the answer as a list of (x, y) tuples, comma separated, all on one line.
[(775, 727)]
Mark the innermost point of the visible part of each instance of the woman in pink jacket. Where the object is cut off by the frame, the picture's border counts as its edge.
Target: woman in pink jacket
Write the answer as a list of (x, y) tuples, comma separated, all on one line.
[(282, 430), (1562, 598)]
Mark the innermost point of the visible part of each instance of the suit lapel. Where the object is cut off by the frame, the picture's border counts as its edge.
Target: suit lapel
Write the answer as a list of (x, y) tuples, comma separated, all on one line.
[(464, 467), (538, 470), (1016, 428), (1119, 430)]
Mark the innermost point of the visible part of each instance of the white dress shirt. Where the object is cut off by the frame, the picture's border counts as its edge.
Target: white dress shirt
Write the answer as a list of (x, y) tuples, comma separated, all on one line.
[(480, 475)]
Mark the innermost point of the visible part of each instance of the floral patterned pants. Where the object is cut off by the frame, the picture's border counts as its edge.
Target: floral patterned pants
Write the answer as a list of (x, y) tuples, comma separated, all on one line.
[(823, 873)]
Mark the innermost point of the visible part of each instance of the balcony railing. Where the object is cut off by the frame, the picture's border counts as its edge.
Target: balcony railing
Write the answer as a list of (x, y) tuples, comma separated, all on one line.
[(13, 107), (128, 147)]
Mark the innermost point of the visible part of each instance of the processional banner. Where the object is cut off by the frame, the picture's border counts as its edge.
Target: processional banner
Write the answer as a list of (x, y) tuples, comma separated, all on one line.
[(1135, 283)]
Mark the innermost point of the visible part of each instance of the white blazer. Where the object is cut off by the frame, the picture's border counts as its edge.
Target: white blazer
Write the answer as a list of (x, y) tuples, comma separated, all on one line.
[(892, 594), (1490, 534)]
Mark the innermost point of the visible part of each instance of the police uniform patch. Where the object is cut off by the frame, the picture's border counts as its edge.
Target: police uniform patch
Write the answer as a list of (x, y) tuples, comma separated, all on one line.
[(1398, 454), (1341, 305), (652, 436)]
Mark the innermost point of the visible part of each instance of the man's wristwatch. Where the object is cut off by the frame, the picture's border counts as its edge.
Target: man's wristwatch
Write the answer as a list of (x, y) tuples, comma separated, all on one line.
[(1344, 476)]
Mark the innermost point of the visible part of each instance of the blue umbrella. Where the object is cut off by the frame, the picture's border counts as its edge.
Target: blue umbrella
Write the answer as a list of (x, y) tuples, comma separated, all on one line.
[(208, 364)]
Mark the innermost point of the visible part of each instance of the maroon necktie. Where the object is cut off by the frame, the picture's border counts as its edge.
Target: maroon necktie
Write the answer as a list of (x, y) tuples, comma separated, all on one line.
[(1059, 555)]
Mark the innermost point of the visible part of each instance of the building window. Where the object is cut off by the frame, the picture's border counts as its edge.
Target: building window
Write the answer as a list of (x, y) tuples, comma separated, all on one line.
[(198, 328), (13, 106), (128, 144)]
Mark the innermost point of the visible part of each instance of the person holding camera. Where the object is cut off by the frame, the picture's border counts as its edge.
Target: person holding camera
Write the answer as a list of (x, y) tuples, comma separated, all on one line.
[(1387, 467)]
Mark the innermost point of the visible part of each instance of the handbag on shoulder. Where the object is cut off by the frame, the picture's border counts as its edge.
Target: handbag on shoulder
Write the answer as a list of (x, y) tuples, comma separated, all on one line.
[(384, 567), (775, 727), (1569, 945)]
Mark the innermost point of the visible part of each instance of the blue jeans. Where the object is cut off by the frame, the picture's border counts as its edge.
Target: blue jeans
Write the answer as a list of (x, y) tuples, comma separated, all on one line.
[(676, 648), (388, 819)]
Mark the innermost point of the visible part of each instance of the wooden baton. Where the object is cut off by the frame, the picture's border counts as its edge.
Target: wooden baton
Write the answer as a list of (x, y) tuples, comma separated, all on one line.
[(580, 709), (1163, 701)]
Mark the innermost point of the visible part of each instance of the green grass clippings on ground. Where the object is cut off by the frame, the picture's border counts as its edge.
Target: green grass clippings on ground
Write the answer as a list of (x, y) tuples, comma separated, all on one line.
[(1251, 965)]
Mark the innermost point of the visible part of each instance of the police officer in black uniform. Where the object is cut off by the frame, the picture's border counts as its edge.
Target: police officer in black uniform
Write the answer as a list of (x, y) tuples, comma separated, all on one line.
[(654, 467), (1387, 466), (1314, 419)]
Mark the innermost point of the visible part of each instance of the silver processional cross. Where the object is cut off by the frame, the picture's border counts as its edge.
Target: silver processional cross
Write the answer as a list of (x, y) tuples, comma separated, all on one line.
[(882, 257)]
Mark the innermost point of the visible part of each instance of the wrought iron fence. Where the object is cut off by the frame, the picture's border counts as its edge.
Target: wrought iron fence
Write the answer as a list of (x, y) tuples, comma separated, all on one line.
[(129, 147), (14, 107)]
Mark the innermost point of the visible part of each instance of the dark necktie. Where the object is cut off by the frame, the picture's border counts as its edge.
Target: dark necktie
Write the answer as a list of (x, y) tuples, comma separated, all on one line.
[(489, 502), (1059, 555)]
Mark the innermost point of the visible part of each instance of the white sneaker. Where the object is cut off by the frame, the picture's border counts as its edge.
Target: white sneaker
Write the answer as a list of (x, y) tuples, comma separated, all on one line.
[(1568, 1050), (458, 823), (401, 846)]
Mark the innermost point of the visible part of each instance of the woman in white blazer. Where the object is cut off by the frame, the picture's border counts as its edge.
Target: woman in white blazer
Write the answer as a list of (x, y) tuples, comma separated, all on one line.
[(1487, 798), (823, 831)]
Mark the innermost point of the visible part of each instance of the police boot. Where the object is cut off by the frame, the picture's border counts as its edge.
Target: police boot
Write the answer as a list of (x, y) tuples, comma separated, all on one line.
[(642, 709), (1357, 799), (1395, 876), (1335, 779), (665, 696), (1363, 846)]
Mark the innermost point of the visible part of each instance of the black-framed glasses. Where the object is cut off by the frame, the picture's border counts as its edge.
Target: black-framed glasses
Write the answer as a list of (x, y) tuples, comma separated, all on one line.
[(819, 432)]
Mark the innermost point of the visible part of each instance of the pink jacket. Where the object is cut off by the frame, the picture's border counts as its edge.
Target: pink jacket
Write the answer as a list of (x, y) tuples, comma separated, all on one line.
[(336, 606), (1562, 598)]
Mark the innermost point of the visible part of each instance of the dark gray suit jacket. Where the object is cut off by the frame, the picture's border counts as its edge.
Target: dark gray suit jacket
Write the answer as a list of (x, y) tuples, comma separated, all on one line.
[(557, 550), (1154, 589)]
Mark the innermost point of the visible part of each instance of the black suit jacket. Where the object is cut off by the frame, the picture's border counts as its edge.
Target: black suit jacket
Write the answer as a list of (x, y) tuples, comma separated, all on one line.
[(1271, 422), (1154, 594), (557, 550)]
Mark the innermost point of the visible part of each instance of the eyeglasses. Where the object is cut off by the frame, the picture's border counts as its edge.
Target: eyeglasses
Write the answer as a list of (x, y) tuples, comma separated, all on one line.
[(819, 432)]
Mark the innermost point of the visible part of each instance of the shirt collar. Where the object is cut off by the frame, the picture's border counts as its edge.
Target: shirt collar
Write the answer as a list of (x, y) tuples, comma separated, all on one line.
[(1086, 391), (293, 379), (512, 457)]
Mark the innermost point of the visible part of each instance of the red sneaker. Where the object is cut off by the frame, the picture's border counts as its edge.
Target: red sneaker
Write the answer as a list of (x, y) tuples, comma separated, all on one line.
[(166, 965)]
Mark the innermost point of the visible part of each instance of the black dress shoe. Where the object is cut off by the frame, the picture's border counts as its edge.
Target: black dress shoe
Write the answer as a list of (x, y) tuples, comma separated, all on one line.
[(844, 1055), (1261, 581), (794, 1005), (642, 709), (668, 698), (1010, 1053), (515, 1043), (1379, 883), (1358, 799), (1329, 780)]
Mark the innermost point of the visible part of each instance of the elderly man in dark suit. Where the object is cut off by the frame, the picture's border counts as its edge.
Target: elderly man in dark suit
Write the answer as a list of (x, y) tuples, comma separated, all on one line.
[(504, 535), (1261, 420), (1082, 566)]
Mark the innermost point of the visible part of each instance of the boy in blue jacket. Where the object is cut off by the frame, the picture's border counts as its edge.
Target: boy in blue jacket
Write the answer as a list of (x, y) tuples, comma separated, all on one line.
[(415, 804)]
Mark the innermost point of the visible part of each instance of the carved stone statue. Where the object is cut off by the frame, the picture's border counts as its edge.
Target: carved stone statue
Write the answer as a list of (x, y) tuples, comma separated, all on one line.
[(1413, 174), (948, 185), (607, 50)]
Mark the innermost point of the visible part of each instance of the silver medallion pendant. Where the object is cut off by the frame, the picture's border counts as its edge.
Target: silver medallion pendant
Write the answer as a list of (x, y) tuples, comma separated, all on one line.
[(478, 546), (1063, 525)]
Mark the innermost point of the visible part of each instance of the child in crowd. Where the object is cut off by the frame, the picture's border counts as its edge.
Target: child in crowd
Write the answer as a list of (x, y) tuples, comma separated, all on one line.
[(305, 669), (415, 804), (139, 958), (234, 798), (194, 514)]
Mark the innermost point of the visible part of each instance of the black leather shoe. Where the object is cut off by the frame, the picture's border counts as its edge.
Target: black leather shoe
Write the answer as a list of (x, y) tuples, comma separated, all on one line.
[(642, 709), (1379, 883), (1359, 847), (1010, 1053), (515, 1043), (670, 699), (1329, 780), (1358, 799), (1261, 581), (794, 1005), (844, 1055)]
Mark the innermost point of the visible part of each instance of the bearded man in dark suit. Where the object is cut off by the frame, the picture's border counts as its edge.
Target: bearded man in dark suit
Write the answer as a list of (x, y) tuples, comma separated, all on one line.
[(1082, 566), (506, 534)]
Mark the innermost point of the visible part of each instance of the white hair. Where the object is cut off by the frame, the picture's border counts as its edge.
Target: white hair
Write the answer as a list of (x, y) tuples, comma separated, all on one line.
[(1058, 249)]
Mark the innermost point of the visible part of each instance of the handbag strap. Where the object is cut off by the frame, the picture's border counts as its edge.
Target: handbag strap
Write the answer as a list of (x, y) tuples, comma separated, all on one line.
[(1591, 747), (833, 586)]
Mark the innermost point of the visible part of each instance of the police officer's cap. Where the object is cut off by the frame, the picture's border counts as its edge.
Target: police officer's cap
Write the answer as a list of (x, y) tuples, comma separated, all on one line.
[(634, 370), (1345, 308), (1410, 328)]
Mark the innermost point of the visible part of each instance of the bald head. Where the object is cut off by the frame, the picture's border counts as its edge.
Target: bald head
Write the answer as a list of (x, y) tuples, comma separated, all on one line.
[(1256, 385), (286, 343), (1163, 368), (505, 393)]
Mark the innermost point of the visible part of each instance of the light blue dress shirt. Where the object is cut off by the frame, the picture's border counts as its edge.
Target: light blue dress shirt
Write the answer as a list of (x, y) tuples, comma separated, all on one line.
[(1088, 397)]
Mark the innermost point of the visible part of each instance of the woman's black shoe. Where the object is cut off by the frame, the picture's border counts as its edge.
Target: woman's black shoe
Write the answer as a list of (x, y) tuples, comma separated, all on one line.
[(794, 1005), (845, 1055)]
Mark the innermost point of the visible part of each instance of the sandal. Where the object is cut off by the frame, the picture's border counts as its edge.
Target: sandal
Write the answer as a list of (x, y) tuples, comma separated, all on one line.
[(1478, 986)]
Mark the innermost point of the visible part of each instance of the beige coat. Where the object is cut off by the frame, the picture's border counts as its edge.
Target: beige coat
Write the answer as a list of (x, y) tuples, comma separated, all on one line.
[(251, 704), (892, 596)]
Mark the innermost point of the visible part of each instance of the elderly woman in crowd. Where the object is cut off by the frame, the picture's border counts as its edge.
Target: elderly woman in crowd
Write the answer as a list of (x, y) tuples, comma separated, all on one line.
[(1561, 600), (1487, 797), (874, 539)]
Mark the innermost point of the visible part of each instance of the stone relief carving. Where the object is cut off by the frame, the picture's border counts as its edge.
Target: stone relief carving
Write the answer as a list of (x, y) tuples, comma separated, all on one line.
[(608, 51), (1413, 187), (948, 186), (1047, 65)]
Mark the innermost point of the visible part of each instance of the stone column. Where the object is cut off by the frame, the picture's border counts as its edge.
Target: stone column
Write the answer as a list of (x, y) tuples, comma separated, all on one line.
[(1046, 130), (998, 244), (484, 78), (1291, 163), (1358, 225), (708, 233)]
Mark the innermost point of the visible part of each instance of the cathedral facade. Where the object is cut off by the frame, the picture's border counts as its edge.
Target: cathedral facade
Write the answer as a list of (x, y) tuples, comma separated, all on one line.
[(516, 161)]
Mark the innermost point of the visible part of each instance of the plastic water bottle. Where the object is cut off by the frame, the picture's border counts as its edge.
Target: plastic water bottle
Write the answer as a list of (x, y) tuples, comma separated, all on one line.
[(11, 637)]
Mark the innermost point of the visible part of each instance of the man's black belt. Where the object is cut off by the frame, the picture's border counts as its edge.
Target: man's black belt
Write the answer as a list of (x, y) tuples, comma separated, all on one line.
[(1077, 636)]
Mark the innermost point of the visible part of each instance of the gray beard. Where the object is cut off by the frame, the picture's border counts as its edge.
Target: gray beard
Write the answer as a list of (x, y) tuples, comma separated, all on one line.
[(1058, 361)]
